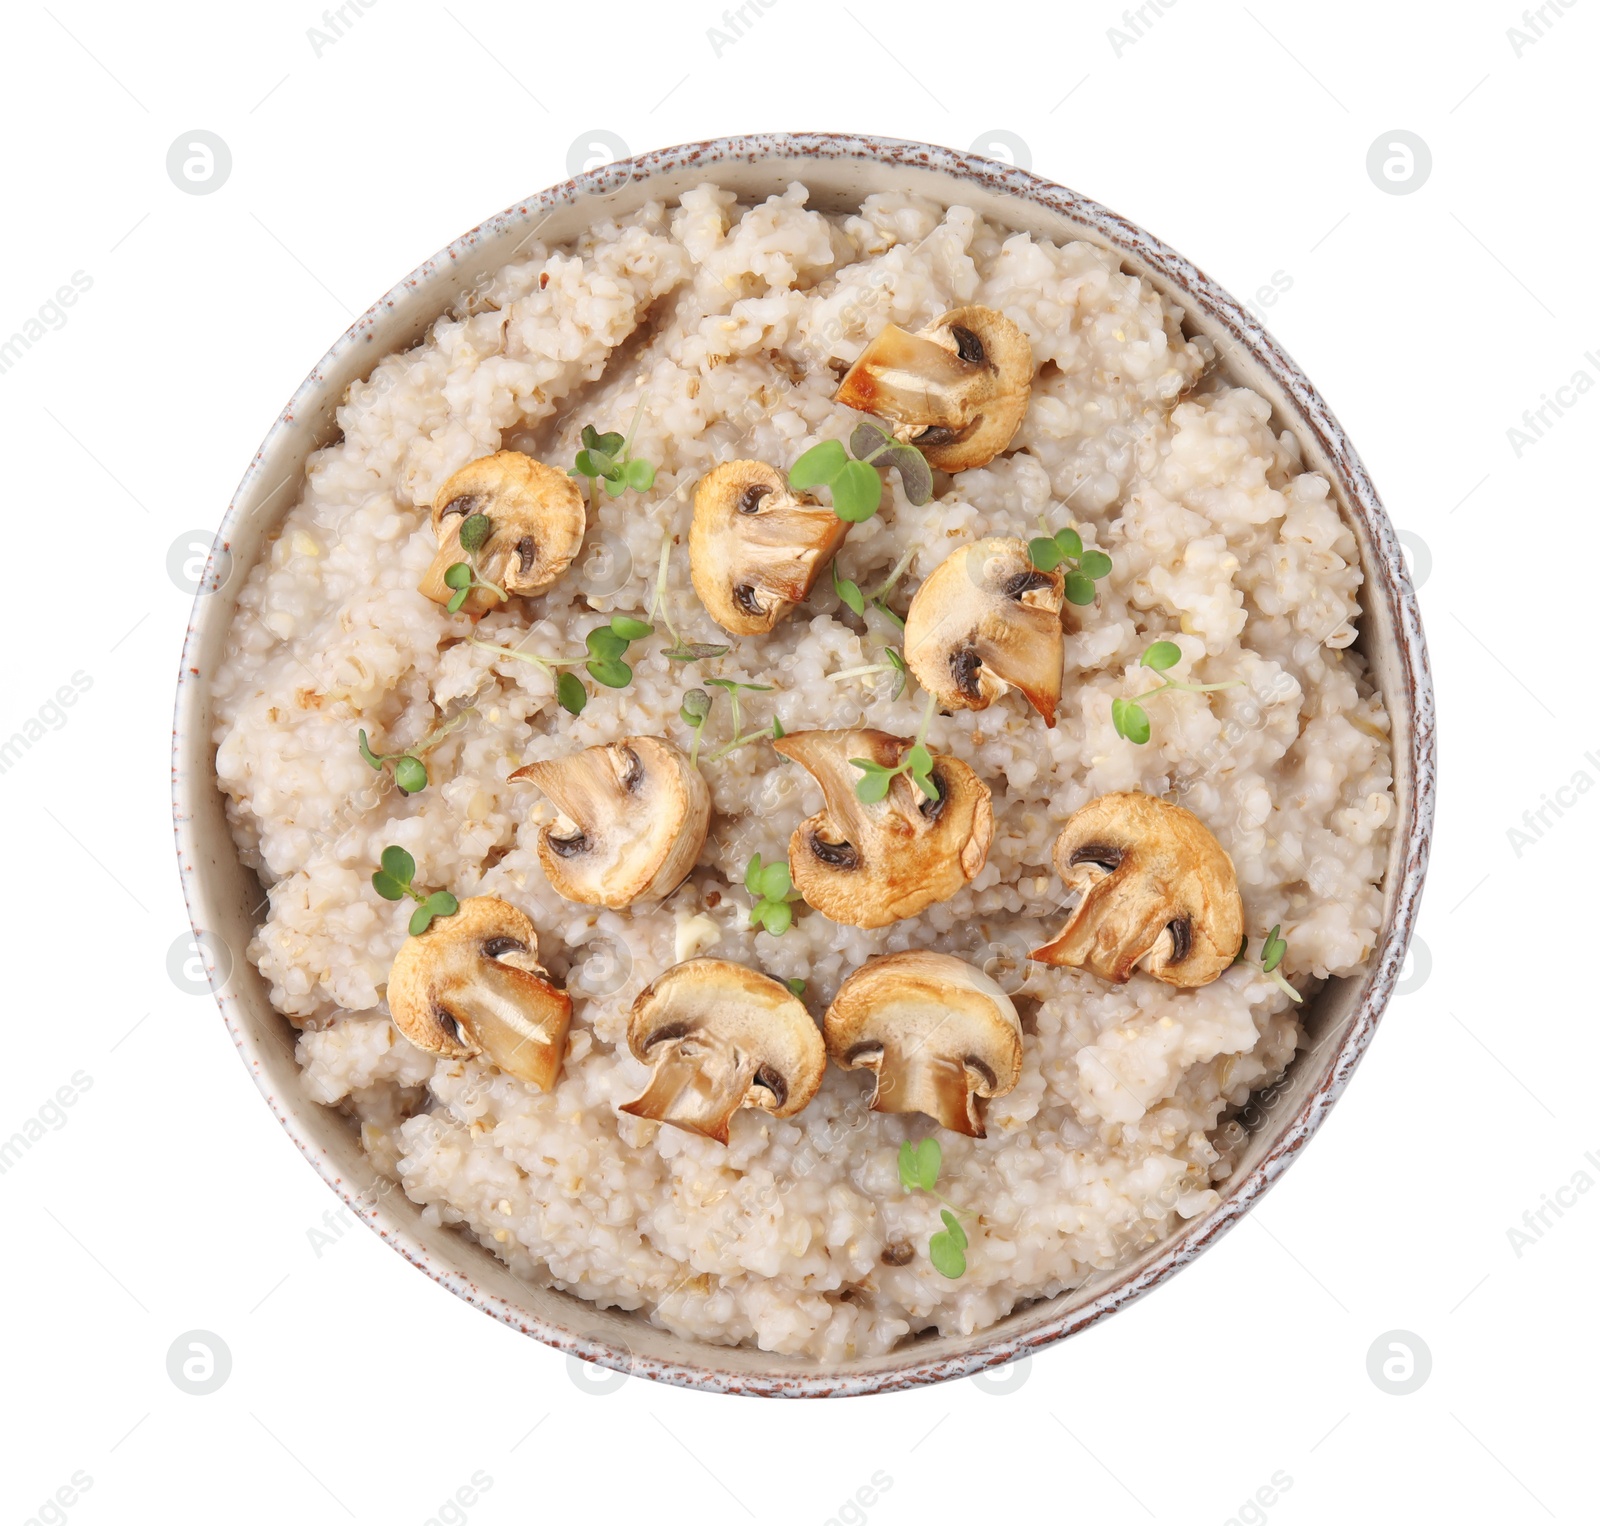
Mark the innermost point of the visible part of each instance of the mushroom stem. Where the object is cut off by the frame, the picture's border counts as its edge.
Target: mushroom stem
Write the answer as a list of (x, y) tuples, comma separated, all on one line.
[(691, 1094), (493, 1008)]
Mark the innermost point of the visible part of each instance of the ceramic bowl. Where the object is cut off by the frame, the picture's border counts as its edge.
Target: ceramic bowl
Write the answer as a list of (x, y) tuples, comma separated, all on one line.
[(224, 897)]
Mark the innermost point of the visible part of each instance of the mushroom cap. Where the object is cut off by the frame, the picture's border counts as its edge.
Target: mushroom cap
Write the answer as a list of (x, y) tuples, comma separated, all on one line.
[(722, 1037), (756, 547), (1155, 889), (987, 620), (537, 519), (936, 1033), (958, 388), (472, 985), (870, 864), (634, 815)]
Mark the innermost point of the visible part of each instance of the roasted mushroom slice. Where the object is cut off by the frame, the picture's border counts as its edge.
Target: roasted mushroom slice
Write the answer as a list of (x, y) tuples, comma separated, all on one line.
[(871, 863), (985, 621), (722, 1037), (756, 547), (536, 524), (472, 985), (633, 819), (1155, 889), (957, 389), (937, 1034)]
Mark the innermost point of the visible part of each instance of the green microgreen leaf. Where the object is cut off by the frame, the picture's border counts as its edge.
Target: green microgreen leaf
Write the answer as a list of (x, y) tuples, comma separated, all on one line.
[(1080, 588), (615, 486), (1094, 564), (953, 1228), (1045, 554), (948, 1258), (777, 729), (411, 775), (797, 986), (571, 694), (776, 917), (475, 530), (857, 492), (603, 642), (458, 575), (871, 788), (398, 864), (1130, 720), (591, 440), (1162, 655), (630, 629), (929, 1159), (387, 886), (1069, 542), (775, 883), (1272, 951), (457, 599), (610, 671), (734, 683), (1244, 948), (818, 466), (919, 761), (609, 443), (694, 651), (695, 708), (641, 476), (849, 593), (440, 904), (752, 876), (908, 1166), (366, 752), (916, 476)]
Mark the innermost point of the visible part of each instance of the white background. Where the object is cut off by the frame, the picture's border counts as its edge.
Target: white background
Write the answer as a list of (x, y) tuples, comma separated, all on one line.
[(169, 1200)]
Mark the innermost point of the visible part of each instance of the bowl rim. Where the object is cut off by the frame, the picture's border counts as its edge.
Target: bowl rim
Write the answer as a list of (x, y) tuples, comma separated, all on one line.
[(1416, 765)]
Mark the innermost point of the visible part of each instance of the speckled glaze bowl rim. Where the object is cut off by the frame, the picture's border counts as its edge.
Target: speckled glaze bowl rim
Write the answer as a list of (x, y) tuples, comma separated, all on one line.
[(912, 1364)]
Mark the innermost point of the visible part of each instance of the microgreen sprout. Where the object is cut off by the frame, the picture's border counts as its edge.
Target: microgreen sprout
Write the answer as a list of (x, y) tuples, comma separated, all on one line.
[(609, 458), (850, 594), (772, 891), (1128, 715), (856, 487), (410, 773), (797, 986), (873, 785), (680, 650), (606, 645), (919, 1172), (770, 732), (1273, 949), (695, 711), (393, 881), (1065, 548), (463, 576)]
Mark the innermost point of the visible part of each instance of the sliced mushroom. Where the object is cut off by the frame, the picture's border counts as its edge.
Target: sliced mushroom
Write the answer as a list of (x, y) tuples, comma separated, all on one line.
[(536, 520), (957, 389), (472, 985), (755, 546), (722, 1037), (1156, 889), (985, 621), (870, 864), (633, 819), (937, 1034)]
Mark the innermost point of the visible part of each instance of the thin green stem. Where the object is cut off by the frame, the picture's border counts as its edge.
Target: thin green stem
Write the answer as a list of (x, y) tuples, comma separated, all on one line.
[(1276, 977), (1172, 683), (763, 735), (511, 651), (894, 577), (928, 709)]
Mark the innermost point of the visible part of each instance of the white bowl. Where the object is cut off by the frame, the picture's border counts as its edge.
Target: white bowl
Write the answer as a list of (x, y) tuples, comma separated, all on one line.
[(224, 897)]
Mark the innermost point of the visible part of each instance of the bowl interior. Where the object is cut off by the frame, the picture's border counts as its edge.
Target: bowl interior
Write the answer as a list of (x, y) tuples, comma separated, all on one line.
[(224, 897)]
